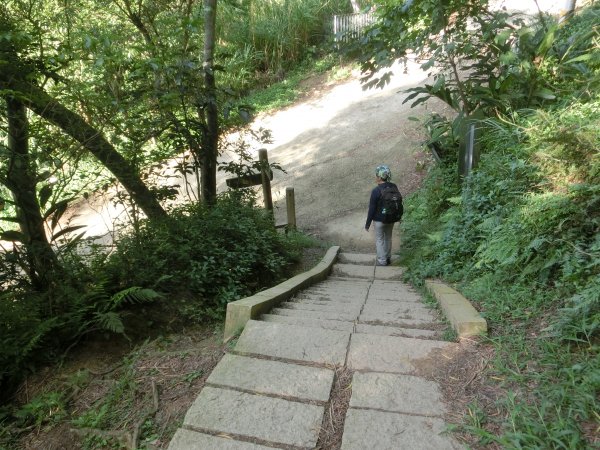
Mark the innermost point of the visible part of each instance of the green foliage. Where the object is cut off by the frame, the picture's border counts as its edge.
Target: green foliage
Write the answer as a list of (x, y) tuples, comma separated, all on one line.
[(520, 233), (218, 254), (521, 237), (46, 407), (282, 93), (276, 35), (483, 61)]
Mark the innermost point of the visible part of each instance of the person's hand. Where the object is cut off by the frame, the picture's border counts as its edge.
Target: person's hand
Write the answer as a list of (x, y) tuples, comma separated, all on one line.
[(367, 229)]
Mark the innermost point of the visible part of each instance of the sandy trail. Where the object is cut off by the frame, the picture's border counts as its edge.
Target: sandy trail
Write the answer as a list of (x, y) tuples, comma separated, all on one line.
[(329, 145)]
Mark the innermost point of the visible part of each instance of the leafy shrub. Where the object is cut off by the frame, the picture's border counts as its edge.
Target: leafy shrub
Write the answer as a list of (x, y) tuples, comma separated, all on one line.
[(217, 255), (521, 239)]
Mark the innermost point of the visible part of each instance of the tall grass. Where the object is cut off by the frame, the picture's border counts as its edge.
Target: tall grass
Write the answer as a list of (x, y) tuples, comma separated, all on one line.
[(279, 32)]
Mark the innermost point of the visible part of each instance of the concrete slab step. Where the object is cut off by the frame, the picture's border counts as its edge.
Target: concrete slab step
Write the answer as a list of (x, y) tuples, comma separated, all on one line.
[(380, 353), (353, 271), (367, 429), (396, 393), (342, 301), (192, 440), (329, 307), (293, 342), (328, 315), (397, 322), (396, 297), (383, 307), (345, 288), (271, 419), (388, 272), (273, 377), (370, 314), (396, 331), (345, 297), (335, 278), (348, 281), (366, 259), (308, 322)]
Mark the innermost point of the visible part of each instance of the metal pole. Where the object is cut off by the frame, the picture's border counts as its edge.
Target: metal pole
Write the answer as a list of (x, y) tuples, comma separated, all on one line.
[(290, 203), (266, 182)]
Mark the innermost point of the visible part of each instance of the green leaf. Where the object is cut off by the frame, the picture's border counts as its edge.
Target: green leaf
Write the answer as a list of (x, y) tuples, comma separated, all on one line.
[(439, 83), (580, 58), (67, 230), (548, 41), (110, 321), (545, 94)]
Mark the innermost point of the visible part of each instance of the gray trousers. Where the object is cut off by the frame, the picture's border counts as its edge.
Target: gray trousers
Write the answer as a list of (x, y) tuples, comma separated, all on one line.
[(383, 241)]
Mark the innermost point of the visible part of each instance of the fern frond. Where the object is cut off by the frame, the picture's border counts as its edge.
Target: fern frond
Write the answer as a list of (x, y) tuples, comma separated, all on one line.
[(134, 294), (110, 321)]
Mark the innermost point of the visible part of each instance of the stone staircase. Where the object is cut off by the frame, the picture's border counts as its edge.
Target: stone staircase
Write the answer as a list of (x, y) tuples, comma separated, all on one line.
[(273, 389)]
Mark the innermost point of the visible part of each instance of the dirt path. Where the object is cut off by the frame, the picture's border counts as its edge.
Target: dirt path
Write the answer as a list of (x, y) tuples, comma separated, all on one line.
[(330, 146)]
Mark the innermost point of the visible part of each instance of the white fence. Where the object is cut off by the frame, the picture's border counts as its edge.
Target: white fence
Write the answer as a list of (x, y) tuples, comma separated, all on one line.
[(350, 26)]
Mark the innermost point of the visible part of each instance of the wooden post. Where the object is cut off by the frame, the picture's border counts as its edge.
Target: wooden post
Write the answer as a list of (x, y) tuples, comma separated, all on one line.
[(290, 203), (266, 181)]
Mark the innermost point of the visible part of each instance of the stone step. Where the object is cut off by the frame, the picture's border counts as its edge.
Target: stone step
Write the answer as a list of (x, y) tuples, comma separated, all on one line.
[(347, 297), (308, 322), (272, 377), (329, 315), (362, 289), (381, 353), (388, 273), (348, 281), (193, 440), (357, 281), (368, 429), (256, 416), (406, 394), (366, 259), (400, 297), (329, 307), (357, 258), (397, 322), (353, 271), (373, 314), (396, 331), (383, 307), (291, 342), (328, 300)]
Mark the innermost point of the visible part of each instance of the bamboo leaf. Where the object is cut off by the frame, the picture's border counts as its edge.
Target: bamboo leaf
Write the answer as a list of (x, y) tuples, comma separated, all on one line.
[(67, 230)]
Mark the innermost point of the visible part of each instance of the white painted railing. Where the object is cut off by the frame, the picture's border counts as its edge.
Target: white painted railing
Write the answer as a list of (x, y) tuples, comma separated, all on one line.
[(350, 26)]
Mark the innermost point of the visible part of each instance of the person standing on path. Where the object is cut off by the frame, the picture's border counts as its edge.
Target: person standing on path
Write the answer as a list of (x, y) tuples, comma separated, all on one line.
[(384, 215)]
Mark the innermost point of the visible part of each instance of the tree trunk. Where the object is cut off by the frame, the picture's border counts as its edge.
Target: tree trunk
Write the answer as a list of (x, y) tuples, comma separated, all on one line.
[(211, 137), (21, 180), (75, 126)]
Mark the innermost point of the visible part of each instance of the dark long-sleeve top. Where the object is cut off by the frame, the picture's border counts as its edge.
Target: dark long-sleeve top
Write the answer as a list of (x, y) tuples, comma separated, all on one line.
[(374, 213)]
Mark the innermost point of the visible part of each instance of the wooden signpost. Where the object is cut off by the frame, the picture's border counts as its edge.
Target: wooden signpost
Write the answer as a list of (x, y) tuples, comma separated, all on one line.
[(264, 178)]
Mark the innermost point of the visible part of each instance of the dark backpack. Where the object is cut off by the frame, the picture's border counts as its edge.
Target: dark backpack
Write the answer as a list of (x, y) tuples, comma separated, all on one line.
[(390, 204)]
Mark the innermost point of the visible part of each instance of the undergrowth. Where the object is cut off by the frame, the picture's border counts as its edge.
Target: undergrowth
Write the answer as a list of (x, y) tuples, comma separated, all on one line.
[(520, 239), (181, 270)]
